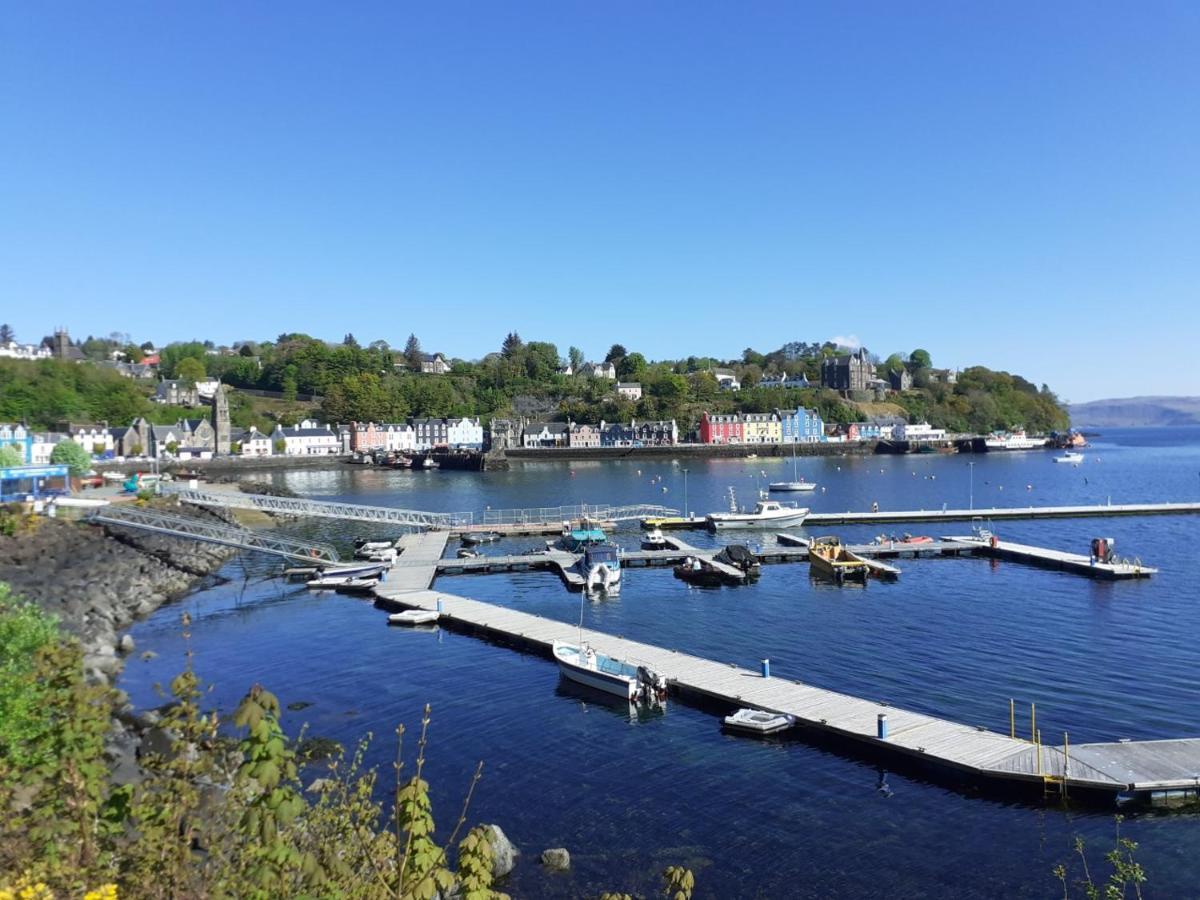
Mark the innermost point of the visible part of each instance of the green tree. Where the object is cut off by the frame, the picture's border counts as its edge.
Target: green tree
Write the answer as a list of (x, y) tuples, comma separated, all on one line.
[(615, 352), (512, 344), (631, 367), (920, 359), (69, 453), (412, 353), (6, 334), (575, 358), (11, 456), (349, 340), (190, 370)]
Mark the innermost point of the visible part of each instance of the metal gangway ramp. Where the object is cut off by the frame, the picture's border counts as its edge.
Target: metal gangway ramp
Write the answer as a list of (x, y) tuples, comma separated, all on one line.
[(210, 532), (325, 509), (600, 512)]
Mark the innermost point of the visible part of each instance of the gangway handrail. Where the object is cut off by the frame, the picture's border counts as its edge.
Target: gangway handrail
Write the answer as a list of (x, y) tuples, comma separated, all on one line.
[(191, 528), (329, 509)]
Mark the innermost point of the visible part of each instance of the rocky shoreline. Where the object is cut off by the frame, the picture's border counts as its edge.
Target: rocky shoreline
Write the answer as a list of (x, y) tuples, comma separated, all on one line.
[(99, 581)]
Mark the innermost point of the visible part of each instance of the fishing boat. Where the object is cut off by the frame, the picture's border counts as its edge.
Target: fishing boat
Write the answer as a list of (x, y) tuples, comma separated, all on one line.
[(1070, 457), (584, 664), (474, 538), (797, 483), (654, 540), (829, 558), (600, 567), (758, 721), (766, 514), (414, 617)]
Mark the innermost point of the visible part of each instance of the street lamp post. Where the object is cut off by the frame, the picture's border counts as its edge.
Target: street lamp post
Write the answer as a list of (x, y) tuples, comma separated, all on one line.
[(685, 504), (971, 467)]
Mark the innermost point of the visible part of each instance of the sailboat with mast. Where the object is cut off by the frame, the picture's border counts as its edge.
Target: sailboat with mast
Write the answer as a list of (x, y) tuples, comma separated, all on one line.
[(797, 483)]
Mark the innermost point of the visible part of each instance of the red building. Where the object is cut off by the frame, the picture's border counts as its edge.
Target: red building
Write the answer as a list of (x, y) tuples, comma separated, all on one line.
[(367, 437), (721, 429)]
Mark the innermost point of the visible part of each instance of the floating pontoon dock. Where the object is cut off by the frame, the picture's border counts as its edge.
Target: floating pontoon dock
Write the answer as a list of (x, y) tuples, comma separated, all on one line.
[(1076, 563), (1154, 769)]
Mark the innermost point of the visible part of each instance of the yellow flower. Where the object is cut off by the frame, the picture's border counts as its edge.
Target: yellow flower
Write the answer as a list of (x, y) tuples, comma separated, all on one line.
[(104, 892)]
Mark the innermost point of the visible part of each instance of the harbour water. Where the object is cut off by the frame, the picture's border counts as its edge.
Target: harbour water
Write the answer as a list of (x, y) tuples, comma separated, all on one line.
[(628, 794)]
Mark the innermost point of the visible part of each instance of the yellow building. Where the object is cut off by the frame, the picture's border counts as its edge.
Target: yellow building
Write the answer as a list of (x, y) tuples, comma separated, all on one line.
[(762, 428)]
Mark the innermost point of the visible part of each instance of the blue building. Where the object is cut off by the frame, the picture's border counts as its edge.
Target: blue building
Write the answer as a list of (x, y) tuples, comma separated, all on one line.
[(19, 482), (17, 436), (801, 426)]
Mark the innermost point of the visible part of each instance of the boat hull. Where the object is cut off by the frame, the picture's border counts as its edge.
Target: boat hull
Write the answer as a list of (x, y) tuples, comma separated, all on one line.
[(728, 521)]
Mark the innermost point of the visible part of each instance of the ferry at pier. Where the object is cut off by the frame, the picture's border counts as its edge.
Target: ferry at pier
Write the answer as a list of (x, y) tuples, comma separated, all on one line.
[(1014, 440)]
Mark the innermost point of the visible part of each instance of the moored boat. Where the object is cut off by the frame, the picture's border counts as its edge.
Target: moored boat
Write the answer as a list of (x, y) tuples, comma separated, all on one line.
[(582, 663), (654, 540), (796, 484), (414, 617), (758, 721), (1070, 457), (474, 538), (829, 558), (357, 586), (766, 514), (1016, 439), (600, 567)]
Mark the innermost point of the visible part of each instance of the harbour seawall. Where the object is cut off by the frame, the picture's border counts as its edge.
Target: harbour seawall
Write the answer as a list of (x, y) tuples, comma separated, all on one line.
[(689, 451)]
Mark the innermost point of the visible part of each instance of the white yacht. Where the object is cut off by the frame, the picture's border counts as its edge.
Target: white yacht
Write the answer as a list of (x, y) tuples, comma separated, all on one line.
[(766, 514)]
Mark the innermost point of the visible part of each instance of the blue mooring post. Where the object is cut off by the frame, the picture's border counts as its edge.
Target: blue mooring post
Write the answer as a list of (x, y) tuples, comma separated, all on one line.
[(439, 607), (766, 668), (882, 726)]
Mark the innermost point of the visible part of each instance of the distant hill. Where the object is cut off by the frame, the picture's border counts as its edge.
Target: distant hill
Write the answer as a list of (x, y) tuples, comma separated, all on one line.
[(1136, 412)]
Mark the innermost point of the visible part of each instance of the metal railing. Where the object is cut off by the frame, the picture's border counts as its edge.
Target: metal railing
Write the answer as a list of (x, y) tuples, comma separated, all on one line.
[(600, 512), (213, 533), (327, 509)]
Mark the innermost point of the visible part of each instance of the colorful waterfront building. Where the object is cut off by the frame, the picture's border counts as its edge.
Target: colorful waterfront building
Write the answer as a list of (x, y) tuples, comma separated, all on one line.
[(721, 429), (760, 428), (800, 426), (18, 437)]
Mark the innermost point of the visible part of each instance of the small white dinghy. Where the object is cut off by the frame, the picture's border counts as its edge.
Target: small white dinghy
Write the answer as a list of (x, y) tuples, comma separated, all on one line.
[(414, 617), (757, 721)]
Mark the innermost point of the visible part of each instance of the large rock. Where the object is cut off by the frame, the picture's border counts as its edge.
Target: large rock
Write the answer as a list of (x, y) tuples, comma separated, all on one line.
[(556, 858), (504, 854)]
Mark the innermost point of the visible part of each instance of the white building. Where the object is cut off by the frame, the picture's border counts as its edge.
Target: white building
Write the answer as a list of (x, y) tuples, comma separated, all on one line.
[(308, 439), (726, 380), (465, 433), (400, 438), (255, 443), (600, 370), (630, 390), (919, 431), (95, 439), (13, 350), (43, 445), (207, 389)]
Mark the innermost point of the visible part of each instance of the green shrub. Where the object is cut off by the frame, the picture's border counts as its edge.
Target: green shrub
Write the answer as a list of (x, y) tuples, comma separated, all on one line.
[(24, 630)]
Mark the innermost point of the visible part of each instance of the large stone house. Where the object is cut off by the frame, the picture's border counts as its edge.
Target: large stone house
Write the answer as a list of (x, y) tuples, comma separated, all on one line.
[(848, 373)]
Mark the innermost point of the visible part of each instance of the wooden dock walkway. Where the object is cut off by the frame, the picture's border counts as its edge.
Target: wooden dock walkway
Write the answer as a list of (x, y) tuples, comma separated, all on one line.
[(1001, 512), (1143, 767), (1046, 558)]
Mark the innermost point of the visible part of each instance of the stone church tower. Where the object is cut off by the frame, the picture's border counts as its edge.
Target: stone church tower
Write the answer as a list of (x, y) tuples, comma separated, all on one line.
[(221, 421)]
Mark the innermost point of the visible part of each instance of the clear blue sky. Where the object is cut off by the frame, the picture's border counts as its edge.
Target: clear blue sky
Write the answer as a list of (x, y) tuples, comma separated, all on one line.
[(1013, 184)]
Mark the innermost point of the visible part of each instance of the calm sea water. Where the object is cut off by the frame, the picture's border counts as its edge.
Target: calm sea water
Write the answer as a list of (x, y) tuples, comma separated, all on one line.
[(628, 796)]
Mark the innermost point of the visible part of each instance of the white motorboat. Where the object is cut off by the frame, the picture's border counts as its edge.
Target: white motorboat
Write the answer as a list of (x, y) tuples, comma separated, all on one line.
[(584, 664), (329, 582), (387, 556), (654, 540), (600, 567), (1016, 439), (757, 721), (414, 617), (1070, 457), (366, 546), (766, 514), (797, 483)]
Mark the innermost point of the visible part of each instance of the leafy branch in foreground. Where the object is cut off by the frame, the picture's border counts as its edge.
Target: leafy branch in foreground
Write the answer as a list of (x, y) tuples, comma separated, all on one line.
[(1127, 874)]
